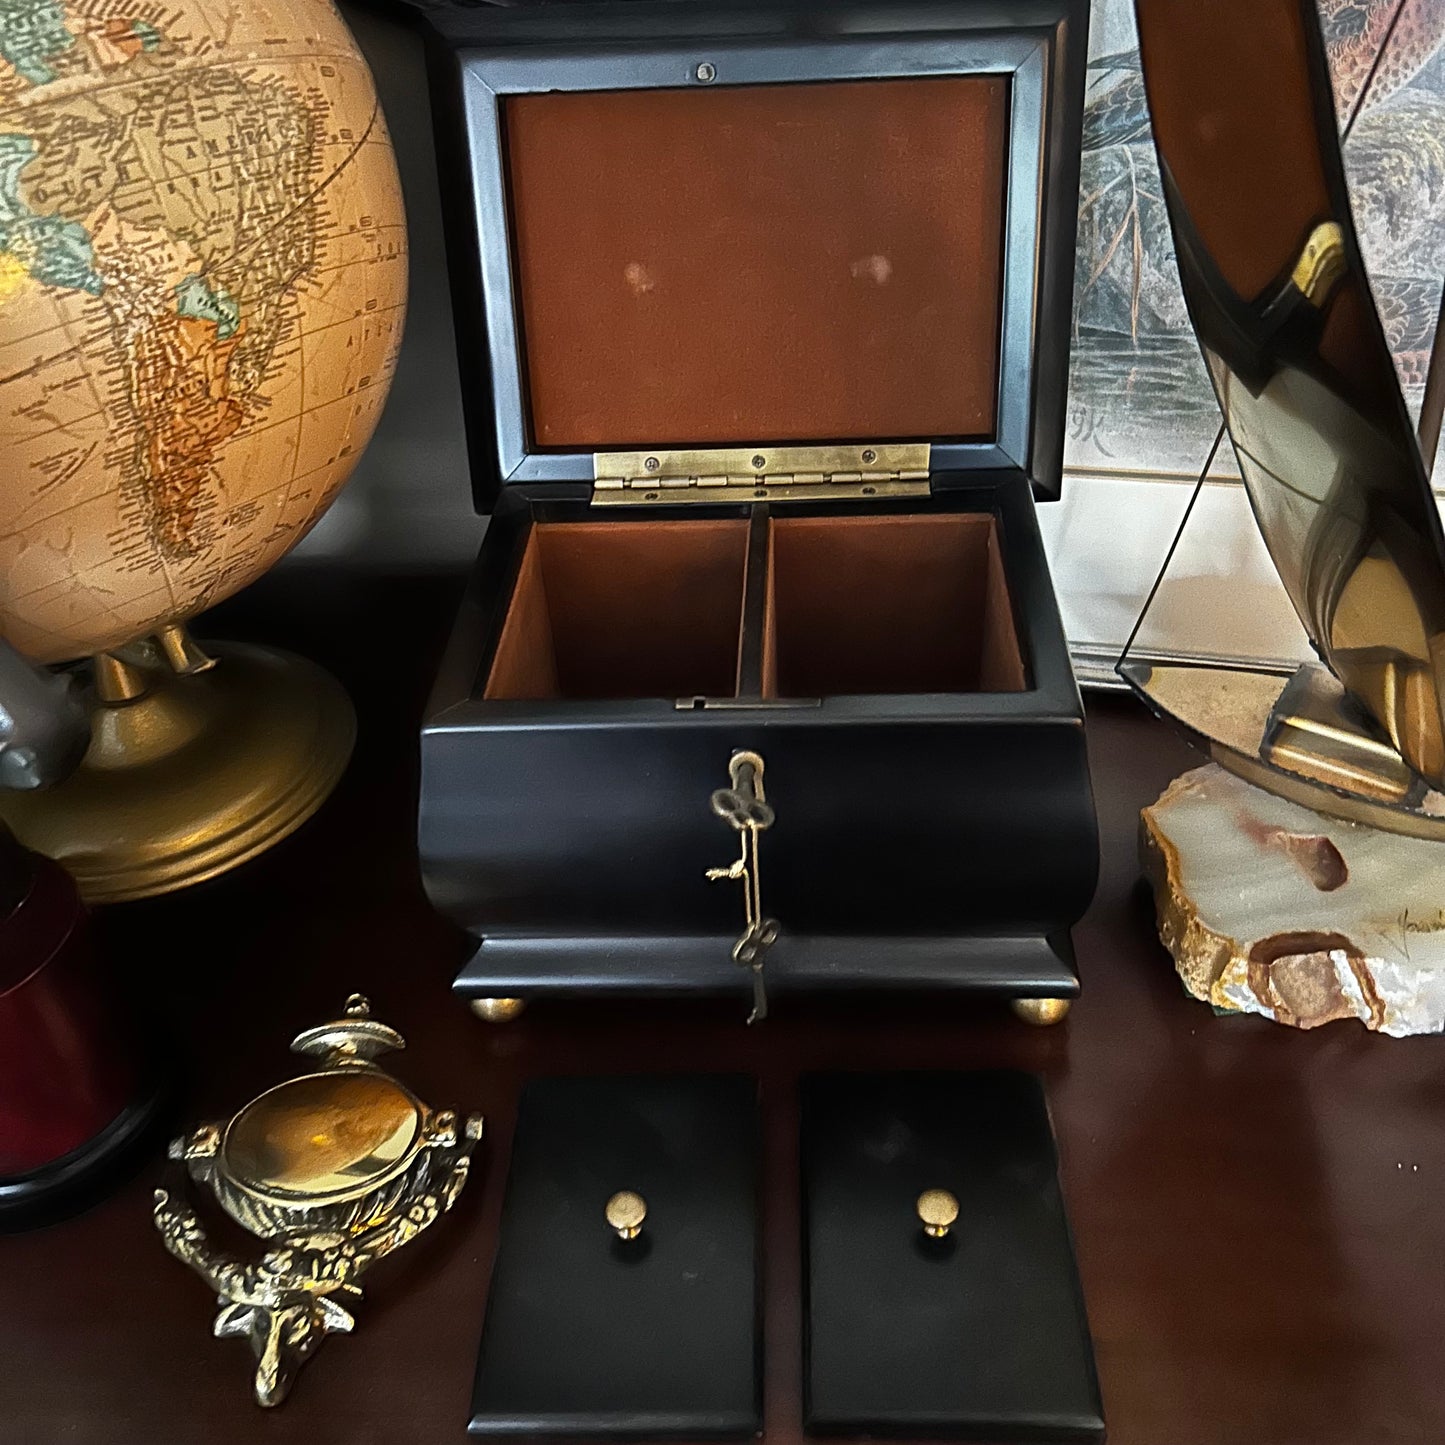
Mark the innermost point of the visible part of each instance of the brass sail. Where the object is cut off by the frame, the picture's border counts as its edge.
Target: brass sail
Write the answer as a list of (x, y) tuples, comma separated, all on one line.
[(1277, 292)]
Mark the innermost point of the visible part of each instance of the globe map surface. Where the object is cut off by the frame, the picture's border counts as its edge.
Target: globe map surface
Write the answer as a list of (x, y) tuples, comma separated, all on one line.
[(202, 289)]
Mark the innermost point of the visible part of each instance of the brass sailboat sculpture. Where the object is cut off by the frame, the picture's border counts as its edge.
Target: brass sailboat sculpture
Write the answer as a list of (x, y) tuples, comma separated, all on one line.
[(1277, 292)]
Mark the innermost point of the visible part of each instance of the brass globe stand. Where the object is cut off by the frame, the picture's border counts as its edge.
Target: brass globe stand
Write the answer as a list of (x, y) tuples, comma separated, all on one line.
[(195, 764)]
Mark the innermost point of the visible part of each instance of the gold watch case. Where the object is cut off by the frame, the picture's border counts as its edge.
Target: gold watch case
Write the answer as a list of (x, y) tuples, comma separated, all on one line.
[(332, 1169)]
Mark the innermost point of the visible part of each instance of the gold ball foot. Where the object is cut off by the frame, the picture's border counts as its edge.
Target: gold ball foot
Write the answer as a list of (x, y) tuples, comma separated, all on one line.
[(498, 1010), (1042, 1012), (190, 772)]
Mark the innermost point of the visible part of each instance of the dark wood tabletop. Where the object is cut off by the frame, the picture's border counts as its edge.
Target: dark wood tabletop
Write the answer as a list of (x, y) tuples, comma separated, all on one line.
[(1257, 1210)]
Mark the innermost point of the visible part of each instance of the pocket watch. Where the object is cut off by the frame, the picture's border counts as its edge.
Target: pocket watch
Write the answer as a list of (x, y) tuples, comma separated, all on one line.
[(332, 1170)]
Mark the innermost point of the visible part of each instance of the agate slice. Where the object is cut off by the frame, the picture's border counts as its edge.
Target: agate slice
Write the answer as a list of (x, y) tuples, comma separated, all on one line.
[(1269, 908)]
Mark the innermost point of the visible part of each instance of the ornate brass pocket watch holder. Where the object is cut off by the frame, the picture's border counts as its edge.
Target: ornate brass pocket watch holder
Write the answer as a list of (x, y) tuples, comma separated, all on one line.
[(332, 1170)]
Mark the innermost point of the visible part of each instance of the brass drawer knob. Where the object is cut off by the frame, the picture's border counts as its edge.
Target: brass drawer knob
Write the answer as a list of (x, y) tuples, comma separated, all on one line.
[(938, 1210), (625, 1213)]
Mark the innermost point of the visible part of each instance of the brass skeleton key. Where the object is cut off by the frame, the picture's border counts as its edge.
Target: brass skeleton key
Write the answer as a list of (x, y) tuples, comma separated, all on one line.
[(744, 807)]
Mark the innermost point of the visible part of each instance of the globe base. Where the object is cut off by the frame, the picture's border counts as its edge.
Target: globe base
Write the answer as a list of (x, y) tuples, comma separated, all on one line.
[(192, 769)]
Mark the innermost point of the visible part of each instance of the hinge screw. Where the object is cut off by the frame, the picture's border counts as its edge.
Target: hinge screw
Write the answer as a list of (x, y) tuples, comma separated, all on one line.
[(759, 462), (706, 72), (651, 464), (870, 456)]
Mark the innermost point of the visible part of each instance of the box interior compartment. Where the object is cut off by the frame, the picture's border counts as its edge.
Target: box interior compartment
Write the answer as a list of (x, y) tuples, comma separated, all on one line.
[(896, 604), (624, 610), (889, 604)]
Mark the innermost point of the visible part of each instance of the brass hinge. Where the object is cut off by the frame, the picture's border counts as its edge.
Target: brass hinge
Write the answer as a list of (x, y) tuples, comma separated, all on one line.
[(865, 469)]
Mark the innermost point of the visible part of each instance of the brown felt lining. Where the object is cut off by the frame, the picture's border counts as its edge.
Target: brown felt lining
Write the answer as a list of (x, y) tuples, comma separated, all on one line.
[(726, 266), (895, 604), (890, 604), (624, 609)]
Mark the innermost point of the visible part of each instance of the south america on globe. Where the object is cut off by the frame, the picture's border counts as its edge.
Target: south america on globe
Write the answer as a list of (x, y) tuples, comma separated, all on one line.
[(202, 288), (202, 291)]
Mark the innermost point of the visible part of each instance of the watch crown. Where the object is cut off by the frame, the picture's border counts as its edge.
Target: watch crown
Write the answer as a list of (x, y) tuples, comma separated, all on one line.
[(355, 1038)]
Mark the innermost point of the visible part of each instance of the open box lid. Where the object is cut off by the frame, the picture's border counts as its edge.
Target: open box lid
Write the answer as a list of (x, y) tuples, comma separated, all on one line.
[(696, 227)]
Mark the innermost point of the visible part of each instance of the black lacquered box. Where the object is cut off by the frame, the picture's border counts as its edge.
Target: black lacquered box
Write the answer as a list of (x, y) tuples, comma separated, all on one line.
[(764, 312)]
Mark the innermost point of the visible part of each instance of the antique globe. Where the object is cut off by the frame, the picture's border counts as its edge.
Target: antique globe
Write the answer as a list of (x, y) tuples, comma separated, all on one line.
[(202, 290)]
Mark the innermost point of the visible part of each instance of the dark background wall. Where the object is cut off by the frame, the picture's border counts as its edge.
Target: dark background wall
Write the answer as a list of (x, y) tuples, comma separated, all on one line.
[(408, 506)]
